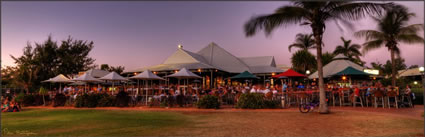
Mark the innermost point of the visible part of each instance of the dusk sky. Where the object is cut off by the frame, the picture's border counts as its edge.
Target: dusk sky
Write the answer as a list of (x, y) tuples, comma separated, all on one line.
[(139, 34)]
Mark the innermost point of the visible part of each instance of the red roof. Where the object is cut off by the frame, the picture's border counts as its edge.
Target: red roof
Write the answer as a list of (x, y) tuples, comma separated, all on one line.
[(289, 73)]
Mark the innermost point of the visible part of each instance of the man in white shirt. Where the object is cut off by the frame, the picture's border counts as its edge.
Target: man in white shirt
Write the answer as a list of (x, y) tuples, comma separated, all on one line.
[(254, 89)]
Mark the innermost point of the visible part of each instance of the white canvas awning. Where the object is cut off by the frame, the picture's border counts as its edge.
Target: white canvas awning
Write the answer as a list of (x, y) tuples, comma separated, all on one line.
[(86, 78), (184, 73), (339, 63), (409, 72), (147, 75), (59, 79), (113, 76)]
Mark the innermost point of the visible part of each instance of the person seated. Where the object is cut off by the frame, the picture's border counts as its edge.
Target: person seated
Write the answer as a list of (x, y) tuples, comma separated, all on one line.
[(5, 106), (253, 89), (301, 86)]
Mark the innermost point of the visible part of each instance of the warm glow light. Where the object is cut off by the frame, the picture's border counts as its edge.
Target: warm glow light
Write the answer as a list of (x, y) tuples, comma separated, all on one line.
[(175, 71), (273, 74), (344, 77), (416, 83), (155, 72), (307, 72), (371, 71), (216, 70), (421, 69), (314, 79), (199, 70), (135, 73), (180, 46), (374, 78)]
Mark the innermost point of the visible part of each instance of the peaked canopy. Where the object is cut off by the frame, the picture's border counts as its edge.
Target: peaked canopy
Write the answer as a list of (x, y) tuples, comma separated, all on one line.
[(245, 75), (59, 79), (184, 73), (113, 76), (289, 73), (86, 78), (339, 63), (147, 75), (351, 71)]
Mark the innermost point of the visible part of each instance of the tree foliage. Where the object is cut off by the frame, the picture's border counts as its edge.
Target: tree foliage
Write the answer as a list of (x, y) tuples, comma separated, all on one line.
[(327, 58), (303, 42), (117, 69), (42, 61), (352, 51), (303, 60)]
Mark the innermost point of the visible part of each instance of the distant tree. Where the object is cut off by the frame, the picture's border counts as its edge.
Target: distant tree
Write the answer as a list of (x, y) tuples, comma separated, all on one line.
[(47, 59), (303, 60), (303, 42), (378, 66), (399, 65), (352, 51), (413, 66), (327, 58), (117, 69)]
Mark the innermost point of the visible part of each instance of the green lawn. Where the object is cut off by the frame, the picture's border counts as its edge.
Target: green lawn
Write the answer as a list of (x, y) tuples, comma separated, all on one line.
[(89, 122)]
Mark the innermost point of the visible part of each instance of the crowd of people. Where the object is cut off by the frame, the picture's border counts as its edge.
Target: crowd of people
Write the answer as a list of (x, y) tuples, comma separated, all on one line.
[(9, 105)]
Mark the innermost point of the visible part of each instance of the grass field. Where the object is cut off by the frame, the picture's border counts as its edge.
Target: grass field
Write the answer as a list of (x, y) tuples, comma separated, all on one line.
[(90, 122)]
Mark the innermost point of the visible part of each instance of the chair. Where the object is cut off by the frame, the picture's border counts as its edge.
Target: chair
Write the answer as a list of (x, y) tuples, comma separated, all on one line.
[(379, 95), (392, 94), (355, 102)]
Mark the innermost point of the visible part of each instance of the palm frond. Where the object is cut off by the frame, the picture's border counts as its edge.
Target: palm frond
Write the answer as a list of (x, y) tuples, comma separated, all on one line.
[(410, 38), (285, 15), (369, 34), (295, 45), (411, 28), (371, 45), (357, 10)]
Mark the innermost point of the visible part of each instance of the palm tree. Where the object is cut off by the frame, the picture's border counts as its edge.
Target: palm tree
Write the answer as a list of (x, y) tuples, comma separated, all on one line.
[(348, 49), (303, 60), (392, 29), (303, 41), (327, 58), (315, 14)]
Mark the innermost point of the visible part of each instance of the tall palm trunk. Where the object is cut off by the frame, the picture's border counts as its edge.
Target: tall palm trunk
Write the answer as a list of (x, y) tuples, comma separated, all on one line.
[(318, 33), (393, 69)]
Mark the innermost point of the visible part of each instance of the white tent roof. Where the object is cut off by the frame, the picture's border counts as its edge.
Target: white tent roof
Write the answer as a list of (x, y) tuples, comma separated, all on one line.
[(335, 67), (214, 57), (259, 61), (59, 79), (184, 73), (218, 57), (113, 76), (409, 72), (147, 75), (97, 73), (86, 78)]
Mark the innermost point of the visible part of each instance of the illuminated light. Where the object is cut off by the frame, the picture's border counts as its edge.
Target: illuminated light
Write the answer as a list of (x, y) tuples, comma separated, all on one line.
[(180, 46), (199, 70), (135, 73), (216, 70), (314, 79), (155, 72), (175, 71), (371, 71), (416, 83), (344, 78), (374, 78), (307, 72), (421, 69), (273, 74)]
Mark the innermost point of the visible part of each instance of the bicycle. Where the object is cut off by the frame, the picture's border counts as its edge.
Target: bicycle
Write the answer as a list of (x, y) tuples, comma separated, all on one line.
[(307, 107)]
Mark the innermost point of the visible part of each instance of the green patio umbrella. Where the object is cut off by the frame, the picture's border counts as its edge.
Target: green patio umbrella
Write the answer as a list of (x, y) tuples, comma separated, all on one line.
[(245, 75), (350, 71)]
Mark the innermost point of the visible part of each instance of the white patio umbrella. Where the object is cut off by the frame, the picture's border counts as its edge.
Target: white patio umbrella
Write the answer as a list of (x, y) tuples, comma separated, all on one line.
[(86, 78), (113, 76), (59, 79), (146, 75), (183, 74)]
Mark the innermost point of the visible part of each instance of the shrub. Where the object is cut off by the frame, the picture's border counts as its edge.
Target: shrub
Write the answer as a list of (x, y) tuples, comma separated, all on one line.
[(38, 100), (28, 100), (106, 101), (163, 104), (209, 101), (272, 103), (81, 100), (419, 98), (60, 100), (20, 98), (122, 99), (251, 101)]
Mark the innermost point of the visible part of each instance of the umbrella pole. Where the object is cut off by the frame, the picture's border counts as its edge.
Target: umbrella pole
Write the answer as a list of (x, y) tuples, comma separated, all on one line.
[(147, 89), (113, 88), (60, 87), (138, 86)]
